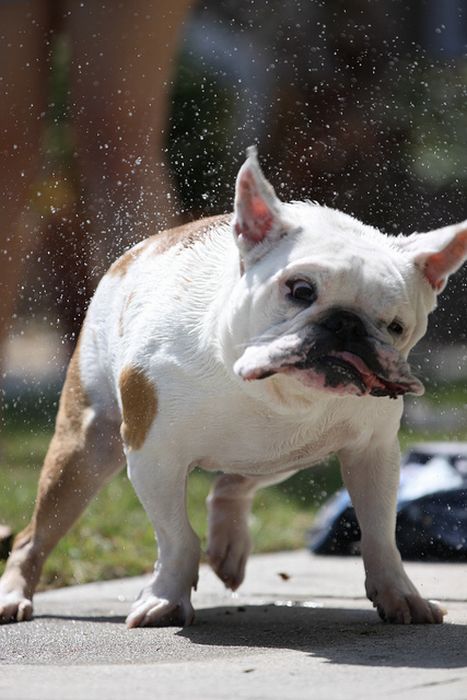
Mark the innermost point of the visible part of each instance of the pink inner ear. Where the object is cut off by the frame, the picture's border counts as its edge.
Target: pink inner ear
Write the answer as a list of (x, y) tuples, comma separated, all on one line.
[(439, 265), (262, 217), (255, 218)]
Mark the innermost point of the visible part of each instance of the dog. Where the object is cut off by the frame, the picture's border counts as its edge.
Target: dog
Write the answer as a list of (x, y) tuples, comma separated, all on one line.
[(254, 344)]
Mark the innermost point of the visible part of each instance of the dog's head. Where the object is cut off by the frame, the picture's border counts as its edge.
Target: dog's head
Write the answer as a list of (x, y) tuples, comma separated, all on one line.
[(328, 301)]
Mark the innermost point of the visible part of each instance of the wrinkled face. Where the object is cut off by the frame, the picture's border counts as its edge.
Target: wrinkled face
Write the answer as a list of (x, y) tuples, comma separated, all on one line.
[(329, 301), (340, 316)]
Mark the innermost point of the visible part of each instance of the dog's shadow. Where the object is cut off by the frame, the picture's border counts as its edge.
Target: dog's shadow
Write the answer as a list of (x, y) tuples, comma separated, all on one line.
[(339, 635)]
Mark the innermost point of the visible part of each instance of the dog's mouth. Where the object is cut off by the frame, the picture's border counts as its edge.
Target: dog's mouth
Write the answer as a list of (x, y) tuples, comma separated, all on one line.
[(342, 369), (346, 373), (381, 372)]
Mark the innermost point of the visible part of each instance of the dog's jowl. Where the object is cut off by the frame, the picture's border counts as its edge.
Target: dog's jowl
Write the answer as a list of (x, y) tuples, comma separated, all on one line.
[(255, 345)]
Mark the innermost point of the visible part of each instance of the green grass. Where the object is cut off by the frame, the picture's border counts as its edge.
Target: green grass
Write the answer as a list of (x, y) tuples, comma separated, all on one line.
[(114, 538), (448, 394)]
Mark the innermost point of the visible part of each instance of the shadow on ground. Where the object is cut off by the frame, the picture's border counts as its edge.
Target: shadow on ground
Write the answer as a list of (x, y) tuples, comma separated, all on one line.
[(343, 636)]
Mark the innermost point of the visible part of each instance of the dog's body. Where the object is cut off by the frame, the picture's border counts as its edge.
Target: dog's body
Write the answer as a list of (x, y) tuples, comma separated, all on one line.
[(255, 354)]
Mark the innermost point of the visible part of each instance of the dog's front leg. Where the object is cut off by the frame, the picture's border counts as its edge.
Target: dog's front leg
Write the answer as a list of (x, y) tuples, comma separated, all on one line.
[(371, 476), (161, 487)]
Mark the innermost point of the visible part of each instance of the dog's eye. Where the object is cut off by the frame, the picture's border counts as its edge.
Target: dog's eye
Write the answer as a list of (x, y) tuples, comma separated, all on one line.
[(302, 290), (396, 328)]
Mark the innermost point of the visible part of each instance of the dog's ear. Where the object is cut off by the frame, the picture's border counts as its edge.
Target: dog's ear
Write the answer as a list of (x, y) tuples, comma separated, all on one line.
[(257, 223), (438, 253)]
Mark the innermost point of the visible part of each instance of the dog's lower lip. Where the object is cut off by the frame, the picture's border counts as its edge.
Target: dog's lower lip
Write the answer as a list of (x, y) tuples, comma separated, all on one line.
[(373, 384), (340, 364), (359, 374)]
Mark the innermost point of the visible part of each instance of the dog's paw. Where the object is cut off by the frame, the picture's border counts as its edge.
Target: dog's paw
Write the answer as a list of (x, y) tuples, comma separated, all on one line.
[(152, 611), (14, 607), (228, 548), (406, 609)]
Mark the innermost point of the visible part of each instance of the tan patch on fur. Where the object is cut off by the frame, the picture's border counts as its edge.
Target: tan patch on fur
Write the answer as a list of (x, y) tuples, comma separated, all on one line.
[(23, 537), (74, 400), (61, 489), (61, 468), (139, 406), (187, 235), (121, 265)]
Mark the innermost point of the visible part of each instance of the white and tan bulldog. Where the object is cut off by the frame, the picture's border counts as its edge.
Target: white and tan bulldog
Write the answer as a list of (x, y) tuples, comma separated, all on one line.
[(255, 345)]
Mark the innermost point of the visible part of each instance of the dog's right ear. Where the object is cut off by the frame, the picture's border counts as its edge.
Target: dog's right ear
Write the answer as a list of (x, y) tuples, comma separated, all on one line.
[(258, 222)]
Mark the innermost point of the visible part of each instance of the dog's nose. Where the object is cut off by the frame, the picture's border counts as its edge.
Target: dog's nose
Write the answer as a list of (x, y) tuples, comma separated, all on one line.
[(345, 324)]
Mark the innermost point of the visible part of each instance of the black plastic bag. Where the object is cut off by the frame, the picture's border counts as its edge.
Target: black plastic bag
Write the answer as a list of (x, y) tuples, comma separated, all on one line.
[(431, 511)]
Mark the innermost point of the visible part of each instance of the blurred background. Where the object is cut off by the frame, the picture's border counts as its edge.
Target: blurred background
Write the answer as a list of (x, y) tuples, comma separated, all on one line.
[(136, 116)]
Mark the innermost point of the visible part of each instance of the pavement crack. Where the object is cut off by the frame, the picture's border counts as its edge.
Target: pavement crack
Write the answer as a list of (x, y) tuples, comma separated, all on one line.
[(430, 684)]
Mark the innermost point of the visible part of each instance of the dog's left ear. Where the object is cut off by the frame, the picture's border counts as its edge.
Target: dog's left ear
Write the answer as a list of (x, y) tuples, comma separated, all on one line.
[(258, 222), (438, 253)]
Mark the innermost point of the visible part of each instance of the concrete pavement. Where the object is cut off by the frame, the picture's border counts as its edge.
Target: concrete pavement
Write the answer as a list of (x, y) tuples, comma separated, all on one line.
[(299, 627)]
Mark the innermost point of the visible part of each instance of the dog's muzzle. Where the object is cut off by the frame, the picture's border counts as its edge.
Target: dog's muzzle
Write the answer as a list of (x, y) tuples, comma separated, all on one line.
[(350, 352), (342, 353)]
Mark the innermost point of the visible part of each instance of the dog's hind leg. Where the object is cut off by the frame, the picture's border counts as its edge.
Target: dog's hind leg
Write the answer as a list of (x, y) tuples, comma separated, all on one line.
[(229, 507), (83, 454)]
